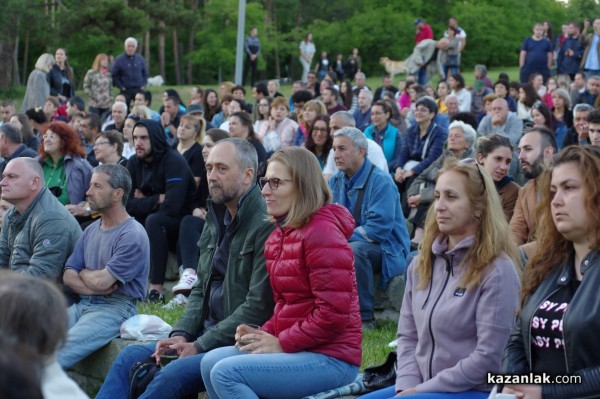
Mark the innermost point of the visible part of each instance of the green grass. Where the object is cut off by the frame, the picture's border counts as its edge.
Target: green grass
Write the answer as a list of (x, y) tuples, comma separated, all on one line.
[(375, 341)]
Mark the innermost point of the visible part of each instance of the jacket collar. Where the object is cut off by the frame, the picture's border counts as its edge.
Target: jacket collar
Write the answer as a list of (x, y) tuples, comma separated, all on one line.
[(359, 180), (566, 274)]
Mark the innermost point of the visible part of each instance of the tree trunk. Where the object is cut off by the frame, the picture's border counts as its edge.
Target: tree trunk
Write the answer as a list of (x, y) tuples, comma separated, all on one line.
[(161, 49), (147, 50), (191, 36), (15, 57), (25, 55), (7, 49), (176, 58)]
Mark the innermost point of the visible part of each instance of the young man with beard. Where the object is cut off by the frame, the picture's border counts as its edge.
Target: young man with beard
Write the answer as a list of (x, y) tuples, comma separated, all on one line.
[(536, 148), (163, 193)]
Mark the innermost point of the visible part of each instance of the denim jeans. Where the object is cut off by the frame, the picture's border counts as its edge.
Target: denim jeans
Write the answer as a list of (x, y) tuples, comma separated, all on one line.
[(94, 321), (367, 261), (389, 392), (229, 373), (178, 379)]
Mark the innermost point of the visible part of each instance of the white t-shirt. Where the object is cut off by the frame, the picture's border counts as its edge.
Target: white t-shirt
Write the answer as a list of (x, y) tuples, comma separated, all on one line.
[(374, 154)]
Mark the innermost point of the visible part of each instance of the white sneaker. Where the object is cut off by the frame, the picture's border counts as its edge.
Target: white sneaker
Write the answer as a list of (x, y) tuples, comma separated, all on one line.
[(178, 300), (186, 283)]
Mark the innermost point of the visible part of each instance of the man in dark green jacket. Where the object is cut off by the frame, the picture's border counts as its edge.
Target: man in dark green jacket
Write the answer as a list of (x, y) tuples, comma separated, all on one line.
[(234, 285)]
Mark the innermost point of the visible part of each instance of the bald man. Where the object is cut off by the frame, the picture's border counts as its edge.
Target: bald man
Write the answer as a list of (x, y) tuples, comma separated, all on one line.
[(503, 122), (38, 233)]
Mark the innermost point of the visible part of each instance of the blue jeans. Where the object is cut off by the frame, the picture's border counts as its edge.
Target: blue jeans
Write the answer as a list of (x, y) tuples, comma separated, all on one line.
[(229, 373), (94, 321), (178, 379), (390, 392), (367, 261)]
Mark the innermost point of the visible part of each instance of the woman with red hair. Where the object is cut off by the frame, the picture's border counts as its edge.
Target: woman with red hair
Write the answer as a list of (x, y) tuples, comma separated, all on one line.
[(66, 171)]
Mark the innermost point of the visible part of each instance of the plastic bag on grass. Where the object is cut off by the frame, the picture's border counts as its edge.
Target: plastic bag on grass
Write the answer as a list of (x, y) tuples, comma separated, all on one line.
[(145, 327)]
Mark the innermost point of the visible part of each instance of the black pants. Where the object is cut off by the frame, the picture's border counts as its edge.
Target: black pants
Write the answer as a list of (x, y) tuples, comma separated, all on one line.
[(163, 231), (250, 65), (190, 230)]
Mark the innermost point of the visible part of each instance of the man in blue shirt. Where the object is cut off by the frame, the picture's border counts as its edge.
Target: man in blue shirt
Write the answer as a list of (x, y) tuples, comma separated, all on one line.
[(380, 241), (108, 268), (590, 62)]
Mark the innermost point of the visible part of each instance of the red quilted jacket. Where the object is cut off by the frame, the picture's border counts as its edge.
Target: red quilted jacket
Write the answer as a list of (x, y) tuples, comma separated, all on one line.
[(311, 270)]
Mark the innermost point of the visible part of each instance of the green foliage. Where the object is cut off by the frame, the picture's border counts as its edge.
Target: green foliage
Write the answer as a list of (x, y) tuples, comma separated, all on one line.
[(378, 28)]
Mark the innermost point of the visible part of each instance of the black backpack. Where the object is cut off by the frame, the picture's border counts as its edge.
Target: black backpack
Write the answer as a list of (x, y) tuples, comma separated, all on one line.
[(140, 375)]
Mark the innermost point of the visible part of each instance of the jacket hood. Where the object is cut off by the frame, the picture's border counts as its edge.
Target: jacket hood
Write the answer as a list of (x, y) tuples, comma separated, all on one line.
[(339, 216), (157, 137)]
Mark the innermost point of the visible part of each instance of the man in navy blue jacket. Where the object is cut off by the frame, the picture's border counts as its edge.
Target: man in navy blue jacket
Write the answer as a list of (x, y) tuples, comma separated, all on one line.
[(129, 72)]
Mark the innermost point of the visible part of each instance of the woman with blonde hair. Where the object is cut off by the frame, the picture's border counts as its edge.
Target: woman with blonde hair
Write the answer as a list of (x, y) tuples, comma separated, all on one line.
[(561, 283), (461, 292), (310, 111), (97, 84), (38, 87), (312, 343)]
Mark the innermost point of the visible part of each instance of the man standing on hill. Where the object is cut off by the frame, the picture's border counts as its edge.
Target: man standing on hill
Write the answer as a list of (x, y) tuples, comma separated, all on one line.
[(252, 49), (129, 72)]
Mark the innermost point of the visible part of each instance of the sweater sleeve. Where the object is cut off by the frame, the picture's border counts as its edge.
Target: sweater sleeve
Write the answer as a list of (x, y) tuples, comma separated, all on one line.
[(436, 148), (408, 374), (178, 177)]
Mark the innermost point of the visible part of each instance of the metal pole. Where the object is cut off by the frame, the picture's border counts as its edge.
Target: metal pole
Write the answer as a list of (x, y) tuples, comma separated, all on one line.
[(239, 53)]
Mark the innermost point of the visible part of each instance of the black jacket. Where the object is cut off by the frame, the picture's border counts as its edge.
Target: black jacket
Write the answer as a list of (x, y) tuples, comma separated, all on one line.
[(166, 173), (581, 325), (56, 76)]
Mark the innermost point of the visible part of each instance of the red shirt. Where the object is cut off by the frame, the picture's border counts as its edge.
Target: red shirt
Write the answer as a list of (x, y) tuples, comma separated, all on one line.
[(424, 33)]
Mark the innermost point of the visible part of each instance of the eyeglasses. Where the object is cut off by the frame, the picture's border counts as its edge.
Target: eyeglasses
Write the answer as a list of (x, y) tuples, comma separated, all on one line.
[(469, 161), (49, 136), (421, 109), (98, 144), (319, 129), (274, 182)]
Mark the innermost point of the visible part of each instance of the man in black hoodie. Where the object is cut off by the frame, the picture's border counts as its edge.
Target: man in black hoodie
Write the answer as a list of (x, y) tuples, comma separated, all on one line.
[(162, 193)]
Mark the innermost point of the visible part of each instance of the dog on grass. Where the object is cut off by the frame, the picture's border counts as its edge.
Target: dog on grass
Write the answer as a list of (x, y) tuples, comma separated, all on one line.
[(156, 81), (393, 67)]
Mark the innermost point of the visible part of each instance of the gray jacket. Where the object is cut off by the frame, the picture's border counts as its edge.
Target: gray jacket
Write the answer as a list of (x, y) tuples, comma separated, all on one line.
[(39, 240)]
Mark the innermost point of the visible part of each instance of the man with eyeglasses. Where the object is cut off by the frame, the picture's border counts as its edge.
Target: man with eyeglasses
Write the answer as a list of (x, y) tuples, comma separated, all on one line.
[(380, 241), (38, 233), (235, 286)]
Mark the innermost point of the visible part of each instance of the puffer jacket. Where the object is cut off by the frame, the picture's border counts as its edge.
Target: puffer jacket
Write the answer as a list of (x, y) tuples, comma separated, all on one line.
[(311, 270), (38, 241), (450, 337)]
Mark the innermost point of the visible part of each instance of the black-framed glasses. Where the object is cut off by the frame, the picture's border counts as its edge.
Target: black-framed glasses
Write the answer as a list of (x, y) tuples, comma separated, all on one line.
[(274, 182), (99, 143), (473, 161)]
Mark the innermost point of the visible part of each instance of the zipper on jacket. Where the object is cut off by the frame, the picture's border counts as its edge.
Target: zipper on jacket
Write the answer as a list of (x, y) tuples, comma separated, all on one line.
[(448, 271)]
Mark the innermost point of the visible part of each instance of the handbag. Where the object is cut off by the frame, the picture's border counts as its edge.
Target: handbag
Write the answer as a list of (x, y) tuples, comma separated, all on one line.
[(381, 376), (141, 375)]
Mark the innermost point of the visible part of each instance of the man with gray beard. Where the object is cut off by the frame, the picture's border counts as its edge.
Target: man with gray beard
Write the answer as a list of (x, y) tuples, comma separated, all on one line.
[(235, 285)]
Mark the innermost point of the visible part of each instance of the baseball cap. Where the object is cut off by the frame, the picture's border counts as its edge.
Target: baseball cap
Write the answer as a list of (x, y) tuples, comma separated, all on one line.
[(418, 21)]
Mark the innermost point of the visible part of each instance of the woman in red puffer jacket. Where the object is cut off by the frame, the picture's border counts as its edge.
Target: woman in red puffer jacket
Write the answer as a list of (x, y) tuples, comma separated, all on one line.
[(313, 340)]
